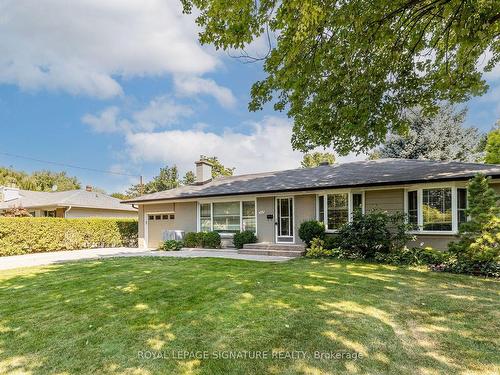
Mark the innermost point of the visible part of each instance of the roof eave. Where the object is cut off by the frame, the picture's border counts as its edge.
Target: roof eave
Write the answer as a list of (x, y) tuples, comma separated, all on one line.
[(343, 186)]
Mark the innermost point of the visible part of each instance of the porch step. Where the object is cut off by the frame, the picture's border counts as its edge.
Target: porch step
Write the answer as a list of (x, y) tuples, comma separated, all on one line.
[(273, 249)]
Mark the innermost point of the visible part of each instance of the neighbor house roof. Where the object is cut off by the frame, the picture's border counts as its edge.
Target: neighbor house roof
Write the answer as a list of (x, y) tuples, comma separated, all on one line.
[(362, 173), (74, 198)]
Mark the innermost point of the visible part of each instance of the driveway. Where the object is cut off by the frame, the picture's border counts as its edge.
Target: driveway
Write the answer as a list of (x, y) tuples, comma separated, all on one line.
[(41, 259)]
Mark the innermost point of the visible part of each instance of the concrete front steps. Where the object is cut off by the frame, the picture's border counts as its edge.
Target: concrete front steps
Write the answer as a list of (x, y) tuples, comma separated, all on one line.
[(284, 250)]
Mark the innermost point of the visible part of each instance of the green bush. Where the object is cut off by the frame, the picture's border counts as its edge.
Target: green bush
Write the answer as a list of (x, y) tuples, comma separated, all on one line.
[(317, 249), (211, 240), (374, 232), (241, 238), (208, 240), (311, 229), (414, 256), (193, 239), (478, 249), (171, 245), (23, 235)]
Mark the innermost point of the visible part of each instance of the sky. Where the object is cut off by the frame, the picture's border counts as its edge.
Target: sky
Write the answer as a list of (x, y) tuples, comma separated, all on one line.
[(125, 86)]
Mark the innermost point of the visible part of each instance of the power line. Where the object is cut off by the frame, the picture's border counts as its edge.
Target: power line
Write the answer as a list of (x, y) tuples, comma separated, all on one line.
[(67, 165)]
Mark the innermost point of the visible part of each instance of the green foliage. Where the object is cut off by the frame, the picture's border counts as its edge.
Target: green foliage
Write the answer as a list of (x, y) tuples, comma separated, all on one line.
[(346, 71), (189, 178), (442, 137), (208, 240), (374, 232), (311, 229), (317, 249), (315, 159), (168, 178), (241, 238), (218, 169), (32, 235), (193, 239), (493, 146), (38, 180), (413, 256), (120, 196), (171, 245)]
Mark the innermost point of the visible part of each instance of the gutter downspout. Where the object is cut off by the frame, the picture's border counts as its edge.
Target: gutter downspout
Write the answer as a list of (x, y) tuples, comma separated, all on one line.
[(67, 210)]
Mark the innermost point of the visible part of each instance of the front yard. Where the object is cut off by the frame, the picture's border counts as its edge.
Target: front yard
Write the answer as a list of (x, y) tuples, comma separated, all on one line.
[(113, 316)]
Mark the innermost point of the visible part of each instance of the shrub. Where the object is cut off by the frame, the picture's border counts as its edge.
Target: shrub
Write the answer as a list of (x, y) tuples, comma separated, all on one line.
[(22, 235), (15, 212), (171, 245), (241, 238), (317, 249), (311, 229), (193, 239), (413, 256), (375, 232), (210, 240), (478, 249)]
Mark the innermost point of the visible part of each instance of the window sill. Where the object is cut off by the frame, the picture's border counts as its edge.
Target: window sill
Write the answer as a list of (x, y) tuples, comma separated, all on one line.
[(434, 232)]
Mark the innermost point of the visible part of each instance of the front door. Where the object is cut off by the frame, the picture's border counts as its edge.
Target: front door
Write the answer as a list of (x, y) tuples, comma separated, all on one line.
[(284, 220)]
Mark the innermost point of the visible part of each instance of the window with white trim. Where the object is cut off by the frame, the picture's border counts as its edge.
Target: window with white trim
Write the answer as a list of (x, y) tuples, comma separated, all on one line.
[(436, 209), (461, 206), (227, 217), (336, 209)]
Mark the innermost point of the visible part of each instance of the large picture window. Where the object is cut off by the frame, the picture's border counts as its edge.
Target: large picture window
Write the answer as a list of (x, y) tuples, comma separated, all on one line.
[(227, 217), (440, 209), (436, 209)]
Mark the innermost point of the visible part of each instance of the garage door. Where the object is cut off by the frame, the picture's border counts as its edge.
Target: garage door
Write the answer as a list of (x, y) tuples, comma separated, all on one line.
[(157, 224)]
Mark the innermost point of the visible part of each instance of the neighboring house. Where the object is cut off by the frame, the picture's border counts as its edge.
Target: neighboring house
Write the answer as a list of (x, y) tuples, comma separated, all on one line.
[(67, 204), (274, 204)]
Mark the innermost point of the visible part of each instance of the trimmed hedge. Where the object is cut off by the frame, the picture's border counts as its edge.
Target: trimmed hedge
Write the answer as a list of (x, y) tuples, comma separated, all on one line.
[(207, 240), (241, 238), (23, 235)]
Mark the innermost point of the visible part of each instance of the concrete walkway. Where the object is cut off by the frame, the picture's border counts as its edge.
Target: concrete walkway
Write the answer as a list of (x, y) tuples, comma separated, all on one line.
[(41, 259)]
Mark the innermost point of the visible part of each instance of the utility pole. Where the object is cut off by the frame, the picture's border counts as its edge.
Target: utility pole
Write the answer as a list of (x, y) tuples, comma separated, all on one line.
[(141, 185)]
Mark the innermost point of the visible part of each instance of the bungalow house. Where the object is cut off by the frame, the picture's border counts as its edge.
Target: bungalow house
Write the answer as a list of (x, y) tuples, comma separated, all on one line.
[(274, 204), (65, 204)]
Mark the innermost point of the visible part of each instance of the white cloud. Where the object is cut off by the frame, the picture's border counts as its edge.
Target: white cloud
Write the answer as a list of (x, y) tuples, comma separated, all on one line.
[(191, 86), (81, 46), (159, 113), (266, 148), (104, 122)]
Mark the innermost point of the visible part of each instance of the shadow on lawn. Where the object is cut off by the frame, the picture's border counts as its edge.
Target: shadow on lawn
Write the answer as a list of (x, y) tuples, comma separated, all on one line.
[(98, 317)]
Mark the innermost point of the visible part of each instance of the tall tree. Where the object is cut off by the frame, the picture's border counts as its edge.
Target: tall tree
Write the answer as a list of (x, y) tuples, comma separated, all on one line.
[(189, 178), (167, 179), (442, 137), (218, 169), (39, 180), (493, 146), (314, 159), (346, 71)]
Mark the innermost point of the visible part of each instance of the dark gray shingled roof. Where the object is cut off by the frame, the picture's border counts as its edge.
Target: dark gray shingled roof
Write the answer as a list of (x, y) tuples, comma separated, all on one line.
[(361, 173)]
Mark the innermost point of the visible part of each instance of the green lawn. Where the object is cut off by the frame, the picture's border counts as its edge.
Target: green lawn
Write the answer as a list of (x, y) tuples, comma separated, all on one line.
[(107, 316)]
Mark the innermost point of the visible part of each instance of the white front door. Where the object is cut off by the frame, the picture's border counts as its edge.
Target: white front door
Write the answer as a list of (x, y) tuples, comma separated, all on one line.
[(284, 220)]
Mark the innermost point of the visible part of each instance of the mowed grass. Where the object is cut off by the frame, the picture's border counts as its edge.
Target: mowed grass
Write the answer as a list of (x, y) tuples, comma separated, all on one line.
[(98, 317)]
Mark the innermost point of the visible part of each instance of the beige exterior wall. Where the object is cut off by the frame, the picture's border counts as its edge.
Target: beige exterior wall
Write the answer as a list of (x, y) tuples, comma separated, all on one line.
[(185, 219), (265, 226), (76, 212), (390, 200), (305, 209)]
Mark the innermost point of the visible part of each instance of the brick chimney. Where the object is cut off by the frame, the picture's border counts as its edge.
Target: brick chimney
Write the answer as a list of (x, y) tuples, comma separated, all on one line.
[(203, 172), (88, 188)]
